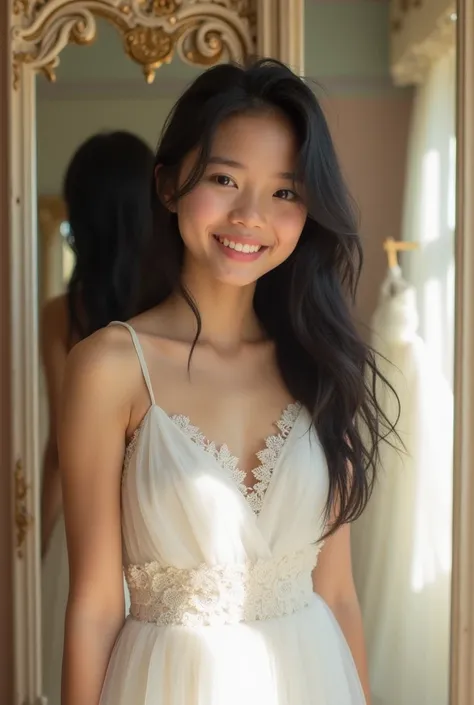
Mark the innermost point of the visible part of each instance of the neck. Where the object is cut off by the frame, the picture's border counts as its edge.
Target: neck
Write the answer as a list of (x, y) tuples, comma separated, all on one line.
[(226, 312)]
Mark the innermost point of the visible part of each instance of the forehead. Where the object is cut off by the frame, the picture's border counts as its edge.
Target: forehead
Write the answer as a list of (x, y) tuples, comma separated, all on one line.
[(266, 138)]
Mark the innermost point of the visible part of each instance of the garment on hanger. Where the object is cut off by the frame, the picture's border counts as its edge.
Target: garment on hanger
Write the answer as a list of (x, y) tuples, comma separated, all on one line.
[(402, 543)]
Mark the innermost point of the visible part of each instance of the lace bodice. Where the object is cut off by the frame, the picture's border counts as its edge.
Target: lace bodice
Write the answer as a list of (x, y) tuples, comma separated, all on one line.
[(268, 456), (222, 594)]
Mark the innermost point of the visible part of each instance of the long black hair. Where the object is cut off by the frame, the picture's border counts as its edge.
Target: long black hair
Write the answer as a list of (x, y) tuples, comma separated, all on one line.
[(305, 304), (107, 193)]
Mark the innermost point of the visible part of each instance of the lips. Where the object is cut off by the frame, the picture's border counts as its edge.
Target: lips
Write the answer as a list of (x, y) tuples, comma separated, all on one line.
[(239, 249), (247, 247)]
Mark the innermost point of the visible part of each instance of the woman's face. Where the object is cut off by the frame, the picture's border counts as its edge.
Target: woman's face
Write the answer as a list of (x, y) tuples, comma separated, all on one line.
[(245, 216)]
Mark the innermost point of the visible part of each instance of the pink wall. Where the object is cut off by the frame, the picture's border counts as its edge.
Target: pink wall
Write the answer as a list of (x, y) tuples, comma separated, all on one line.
[(371, 134)]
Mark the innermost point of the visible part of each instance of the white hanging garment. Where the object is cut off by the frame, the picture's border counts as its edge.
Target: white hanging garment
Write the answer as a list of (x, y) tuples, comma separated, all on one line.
[(402, 543)]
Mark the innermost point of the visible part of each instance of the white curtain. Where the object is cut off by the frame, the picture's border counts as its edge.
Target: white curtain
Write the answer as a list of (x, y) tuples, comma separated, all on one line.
[(429, 212), (402, 544)]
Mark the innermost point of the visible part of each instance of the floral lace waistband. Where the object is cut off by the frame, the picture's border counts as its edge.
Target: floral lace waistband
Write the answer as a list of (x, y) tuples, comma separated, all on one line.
[(212, 595)]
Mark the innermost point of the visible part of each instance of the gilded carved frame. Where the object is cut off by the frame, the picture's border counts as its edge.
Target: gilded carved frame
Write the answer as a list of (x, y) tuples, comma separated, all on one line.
[(201, 32)]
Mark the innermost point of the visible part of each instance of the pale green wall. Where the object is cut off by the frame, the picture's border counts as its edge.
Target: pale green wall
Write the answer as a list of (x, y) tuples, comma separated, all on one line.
[(347, 39)]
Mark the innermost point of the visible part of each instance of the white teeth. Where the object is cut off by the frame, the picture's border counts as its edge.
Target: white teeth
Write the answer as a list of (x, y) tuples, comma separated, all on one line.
[(238, 246)]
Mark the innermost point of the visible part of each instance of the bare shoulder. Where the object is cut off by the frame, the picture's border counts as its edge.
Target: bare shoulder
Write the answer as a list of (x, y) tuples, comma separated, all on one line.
[(105, 363)]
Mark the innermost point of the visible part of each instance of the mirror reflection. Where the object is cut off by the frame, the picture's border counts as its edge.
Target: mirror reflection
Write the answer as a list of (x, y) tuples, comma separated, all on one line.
[(97, 128), (396, 145)]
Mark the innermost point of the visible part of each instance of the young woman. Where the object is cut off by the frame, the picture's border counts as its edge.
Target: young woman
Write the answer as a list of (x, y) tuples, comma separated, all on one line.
[(106, 190), (214, 443)]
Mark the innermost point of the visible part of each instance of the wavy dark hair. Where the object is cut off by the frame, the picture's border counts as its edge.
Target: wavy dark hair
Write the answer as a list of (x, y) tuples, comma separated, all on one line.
[(305, 304), (107, 193)]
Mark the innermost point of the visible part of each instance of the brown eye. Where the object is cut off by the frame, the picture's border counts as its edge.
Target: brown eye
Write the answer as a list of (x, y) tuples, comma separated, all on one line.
[(223, 180), (286, 194)]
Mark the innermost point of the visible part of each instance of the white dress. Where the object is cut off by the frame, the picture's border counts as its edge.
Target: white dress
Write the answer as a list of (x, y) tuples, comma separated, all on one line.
[(402, 542), (222, 606)]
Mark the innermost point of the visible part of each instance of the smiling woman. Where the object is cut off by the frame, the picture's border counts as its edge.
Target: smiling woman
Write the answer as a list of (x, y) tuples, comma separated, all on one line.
[(226, 371)]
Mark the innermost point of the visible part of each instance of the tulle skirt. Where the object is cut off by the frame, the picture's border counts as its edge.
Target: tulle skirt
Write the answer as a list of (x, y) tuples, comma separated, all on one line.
[(301, 659)]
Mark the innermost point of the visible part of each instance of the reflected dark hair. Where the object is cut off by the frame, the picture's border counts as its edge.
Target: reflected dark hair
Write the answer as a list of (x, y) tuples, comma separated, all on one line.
[(304, 304), (107, 194)]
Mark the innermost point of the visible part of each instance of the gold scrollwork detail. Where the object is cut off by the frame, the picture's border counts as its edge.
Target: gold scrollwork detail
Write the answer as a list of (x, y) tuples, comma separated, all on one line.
[(23, 519), (200, 32), (151, 47), (27, 7), (161, 8), (19, 6)]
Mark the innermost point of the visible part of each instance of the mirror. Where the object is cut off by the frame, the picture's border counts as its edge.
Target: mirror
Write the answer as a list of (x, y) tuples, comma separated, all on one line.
[(394, 129), (98, 90)]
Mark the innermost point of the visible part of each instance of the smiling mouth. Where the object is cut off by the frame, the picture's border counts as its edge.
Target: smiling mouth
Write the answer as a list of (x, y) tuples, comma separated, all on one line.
[(244, 248)]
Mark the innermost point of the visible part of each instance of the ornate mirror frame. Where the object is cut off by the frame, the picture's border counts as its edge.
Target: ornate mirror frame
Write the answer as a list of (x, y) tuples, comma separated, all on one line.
[(199, 32)]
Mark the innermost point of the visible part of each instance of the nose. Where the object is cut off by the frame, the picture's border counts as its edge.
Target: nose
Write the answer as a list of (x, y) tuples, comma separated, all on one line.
[(248, 213)]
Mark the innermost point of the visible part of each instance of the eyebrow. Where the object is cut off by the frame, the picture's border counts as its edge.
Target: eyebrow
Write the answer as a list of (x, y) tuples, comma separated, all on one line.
[(224, 161)]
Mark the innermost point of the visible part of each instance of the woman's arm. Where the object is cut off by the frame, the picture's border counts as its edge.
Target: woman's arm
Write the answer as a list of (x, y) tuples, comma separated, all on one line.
[(333, 580), (54, 330), (94, 419)]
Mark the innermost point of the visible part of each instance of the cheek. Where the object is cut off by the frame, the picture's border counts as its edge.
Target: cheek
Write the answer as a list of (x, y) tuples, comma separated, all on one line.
[(198, 209), (289, 227)]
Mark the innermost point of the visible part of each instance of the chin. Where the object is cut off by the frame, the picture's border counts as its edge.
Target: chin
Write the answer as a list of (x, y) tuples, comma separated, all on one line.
[(237, 282), (236, 279), (236, 274)]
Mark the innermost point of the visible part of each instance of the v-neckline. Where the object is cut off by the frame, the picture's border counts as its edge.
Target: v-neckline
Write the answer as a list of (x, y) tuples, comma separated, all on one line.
[(267, 457)]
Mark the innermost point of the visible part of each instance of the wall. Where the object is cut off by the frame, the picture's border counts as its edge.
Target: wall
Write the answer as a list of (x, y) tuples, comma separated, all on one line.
[(371, 136), (347, 53)]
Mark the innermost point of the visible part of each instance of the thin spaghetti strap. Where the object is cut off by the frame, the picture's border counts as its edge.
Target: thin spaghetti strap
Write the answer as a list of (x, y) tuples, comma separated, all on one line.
[(140, 355)]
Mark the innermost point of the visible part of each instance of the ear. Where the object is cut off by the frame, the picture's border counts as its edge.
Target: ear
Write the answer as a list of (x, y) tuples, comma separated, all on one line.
[(164, 189)]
